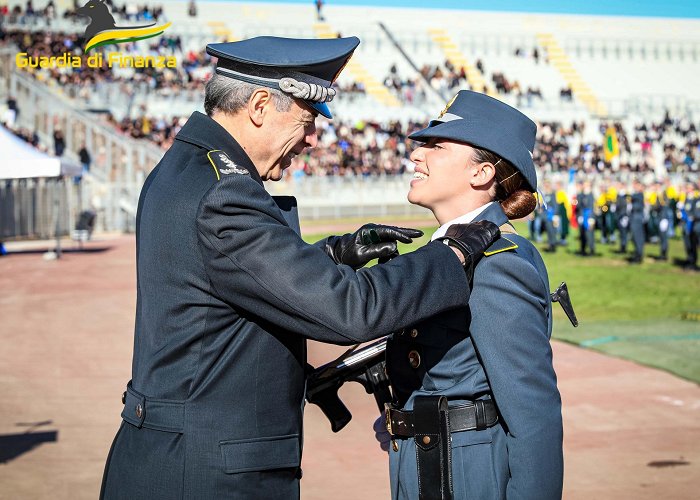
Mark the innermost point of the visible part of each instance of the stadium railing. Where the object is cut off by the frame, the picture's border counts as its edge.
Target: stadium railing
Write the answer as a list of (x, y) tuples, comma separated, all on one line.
[(6, 64), (120, 164)]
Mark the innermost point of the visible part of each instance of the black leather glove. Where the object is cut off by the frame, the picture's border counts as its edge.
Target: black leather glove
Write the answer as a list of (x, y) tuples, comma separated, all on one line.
[(371, 241), (471, 240)]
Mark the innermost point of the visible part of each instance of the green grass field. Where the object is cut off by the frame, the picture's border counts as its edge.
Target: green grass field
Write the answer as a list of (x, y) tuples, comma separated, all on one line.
[(630, 311)]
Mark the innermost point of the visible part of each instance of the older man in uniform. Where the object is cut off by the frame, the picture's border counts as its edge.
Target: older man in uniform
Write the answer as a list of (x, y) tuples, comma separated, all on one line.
[(228, 291)]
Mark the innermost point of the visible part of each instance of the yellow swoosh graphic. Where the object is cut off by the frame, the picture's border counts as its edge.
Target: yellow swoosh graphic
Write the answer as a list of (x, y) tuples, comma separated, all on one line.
[(114, 34)]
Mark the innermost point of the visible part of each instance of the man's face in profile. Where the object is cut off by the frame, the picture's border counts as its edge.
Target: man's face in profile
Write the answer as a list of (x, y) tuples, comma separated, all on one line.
[(290, 133)]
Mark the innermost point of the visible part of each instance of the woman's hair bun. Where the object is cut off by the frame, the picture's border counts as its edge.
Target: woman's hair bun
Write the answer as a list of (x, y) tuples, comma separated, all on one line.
[(519, 204)]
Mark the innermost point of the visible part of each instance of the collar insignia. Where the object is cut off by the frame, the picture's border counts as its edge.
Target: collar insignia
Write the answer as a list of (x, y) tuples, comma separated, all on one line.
[(224, 165), (231, 167)]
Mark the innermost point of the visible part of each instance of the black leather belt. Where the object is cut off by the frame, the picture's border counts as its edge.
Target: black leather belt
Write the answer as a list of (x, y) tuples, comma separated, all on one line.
[(475, 416)]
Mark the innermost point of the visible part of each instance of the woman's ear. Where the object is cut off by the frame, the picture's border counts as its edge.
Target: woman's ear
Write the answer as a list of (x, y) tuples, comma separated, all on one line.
[(483, 175)]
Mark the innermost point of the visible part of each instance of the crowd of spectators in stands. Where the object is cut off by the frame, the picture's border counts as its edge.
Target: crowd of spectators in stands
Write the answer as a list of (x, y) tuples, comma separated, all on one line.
[(446, 79), (361, 148), (31, 14), (8, 120), (443, 79), (375, 149), (371, 148), (190, 75), (356, 149), (187, 80), (160, 130)]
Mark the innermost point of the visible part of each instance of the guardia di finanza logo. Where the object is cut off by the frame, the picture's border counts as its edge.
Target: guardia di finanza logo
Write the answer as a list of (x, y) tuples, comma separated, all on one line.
[(102, 29)]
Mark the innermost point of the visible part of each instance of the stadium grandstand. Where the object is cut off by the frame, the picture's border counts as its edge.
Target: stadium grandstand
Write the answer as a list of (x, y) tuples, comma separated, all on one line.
[(614, 97)]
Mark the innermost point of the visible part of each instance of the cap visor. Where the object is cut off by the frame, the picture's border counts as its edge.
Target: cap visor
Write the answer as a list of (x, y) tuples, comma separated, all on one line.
[(453, 130), (321, 107)]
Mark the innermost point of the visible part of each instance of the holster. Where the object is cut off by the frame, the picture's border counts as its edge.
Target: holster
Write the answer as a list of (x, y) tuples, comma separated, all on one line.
[(433, 447)]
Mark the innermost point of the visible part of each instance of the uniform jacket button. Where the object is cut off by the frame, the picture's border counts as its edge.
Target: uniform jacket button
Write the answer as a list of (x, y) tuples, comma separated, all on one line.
[(139, 410), (124, 397), (414, 359), (414, 333)]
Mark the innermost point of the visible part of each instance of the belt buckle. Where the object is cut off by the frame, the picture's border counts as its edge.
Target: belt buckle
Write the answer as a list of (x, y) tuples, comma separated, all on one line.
[(387, 418)]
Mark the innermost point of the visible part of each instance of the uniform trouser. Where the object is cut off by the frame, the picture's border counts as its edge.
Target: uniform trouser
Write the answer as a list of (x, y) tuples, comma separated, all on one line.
[(551, 233), (694, 243), (154, 465), (563, 225), (663, 243), (624, 236), (587, 239), (603, 225), (663, 236), (637, 227), (479, 466), (536, 228), (610, 224)]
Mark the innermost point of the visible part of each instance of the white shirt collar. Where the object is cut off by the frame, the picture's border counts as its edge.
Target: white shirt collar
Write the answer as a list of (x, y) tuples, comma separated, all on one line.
[(462, 219)]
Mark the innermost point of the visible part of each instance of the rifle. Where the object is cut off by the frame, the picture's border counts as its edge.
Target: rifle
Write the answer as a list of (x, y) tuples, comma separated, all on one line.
[(367, 366)]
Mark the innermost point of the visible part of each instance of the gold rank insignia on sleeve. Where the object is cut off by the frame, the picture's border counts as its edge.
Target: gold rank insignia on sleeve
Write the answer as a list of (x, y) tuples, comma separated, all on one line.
[(222, 164)]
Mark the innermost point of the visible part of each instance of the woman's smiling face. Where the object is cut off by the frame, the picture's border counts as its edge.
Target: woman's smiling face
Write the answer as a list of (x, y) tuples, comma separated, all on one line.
[(442, 173)]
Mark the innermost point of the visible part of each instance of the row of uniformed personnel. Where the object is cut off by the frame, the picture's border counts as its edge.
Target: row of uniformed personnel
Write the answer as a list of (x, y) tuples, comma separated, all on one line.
[(640, 214)]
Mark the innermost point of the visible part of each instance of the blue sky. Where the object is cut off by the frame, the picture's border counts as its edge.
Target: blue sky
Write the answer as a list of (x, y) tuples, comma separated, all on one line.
[(669, 8)]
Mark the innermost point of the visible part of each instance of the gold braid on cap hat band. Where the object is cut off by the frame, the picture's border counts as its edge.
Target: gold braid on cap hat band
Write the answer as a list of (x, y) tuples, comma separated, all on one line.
[(306, 91)]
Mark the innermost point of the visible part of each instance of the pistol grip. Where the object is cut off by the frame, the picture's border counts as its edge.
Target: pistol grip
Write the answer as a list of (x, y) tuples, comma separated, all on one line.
[(333, 408)]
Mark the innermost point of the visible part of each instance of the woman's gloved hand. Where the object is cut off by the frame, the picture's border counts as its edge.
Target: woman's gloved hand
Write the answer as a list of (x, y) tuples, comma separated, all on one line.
[(381, 434), (471, 240)]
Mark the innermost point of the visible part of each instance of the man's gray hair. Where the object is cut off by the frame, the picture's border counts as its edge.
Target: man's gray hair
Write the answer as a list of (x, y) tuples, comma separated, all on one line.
[(230, 96)]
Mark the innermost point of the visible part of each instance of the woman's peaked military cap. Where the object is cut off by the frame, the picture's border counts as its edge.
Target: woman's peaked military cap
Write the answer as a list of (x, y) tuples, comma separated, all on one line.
[(487, 123)]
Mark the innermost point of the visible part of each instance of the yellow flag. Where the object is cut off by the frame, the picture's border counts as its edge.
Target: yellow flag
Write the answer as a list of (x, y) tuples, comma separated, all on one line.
[(563, 199), (602, 200), (671, 193), (611, 147)]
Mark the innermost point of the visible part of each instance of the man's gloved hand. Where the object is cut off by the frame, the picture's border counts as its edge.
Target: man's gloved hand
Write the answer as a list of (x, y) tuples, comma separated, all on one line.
[(471, 240), (371, 241), (381, 434)]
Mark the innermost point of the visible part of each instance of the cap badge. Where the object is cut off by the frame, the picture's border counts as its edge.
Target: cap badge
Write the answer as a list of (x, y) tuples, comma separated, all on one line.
[(442, 113)]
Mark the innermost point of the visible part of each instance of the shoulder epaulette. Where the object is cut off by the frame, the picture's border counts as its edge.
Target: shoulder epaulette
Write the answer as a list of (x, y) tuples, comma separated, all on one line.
[(223, 165), (502, 244)]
